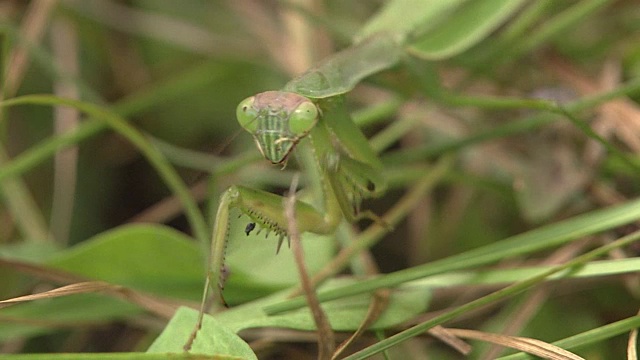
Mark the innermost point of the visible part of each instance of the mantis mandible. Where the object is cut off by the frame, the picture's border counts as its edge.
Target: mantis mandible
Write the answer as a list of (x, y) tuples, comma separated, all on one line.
[(310, 108)]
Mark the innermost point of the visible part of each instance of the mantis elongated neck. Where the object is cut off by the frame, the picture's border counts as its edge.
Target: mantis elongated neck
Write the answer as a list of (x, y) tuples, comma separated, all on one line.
[(341, 72)]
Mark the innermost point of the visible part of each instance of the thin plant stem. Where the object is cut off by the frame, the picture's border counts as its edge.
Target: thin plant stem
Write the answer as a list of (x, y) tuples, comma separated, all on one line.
[(326, 337)]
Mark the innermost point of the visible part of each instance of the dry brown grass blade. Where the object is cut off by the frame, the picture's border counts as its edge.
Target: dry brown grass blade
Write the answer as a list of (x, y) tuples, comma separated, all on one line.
[(18, 199), (443, 334), (377, 306), (66, 290), (162, 307), (64, 42), (32, 29), (528, 345), (520, 316), (632, 345), (326, 337)]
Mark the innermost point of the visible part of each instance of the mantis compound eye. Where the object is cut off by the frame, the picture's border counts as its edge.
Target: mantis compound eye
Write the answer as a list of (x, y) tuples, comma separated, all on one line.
[(277, 121), (247, 115), (303, 118)]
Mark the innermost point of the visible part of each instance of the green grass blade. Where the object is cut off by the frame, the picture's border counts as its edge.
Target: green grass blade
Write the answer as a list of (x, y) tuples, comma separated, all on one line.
[(118, 124), (405, 16), (188, 81), (588, 337), (562, 21), (464, 29), (535, 240), (488, 299)]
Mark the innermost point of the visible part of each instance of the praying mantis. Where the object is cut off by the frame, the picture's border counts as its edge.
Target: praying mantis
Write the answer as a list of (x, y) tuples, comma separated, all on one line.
[(310, 109)]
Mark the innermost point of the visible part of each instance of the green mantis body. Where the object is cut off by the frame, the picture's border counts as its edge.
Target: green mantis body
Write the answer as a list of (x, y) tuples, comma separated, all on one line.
[(310, 109)]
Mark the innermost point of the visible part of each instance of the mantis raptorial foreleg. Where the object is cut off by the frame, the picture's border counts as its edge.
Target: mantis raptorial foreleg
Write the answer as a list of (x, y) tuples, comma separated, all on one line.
[(266, 210)]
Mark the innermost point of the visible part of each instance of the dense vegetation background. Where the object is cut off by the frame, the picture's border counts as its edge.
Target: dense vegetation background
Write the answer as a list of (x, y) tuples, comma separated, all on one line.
[(78, 182)]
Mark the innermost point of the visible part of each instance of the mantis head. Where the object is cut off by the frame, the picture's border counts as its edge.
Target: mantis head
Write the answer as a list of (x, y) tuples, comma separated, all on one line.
[(278, 121)]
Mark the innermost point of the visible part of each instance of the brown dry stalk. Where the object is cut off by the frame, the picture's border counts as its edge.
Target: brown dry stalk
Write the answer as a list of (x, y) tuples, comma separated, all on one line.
[(326, 337), (531, 346)]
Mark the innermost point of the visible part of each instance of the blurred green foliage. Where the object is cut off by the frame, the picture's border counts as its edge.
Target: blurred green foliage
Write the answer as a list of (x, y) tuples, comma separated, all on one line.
[(175, 70)]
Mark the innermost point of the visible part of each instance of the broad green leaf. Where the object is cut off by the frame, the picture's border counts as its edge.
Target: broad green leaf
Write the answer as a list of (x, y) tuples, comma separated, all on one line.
[(465, 28), (34, 251), (541, 238), (405, 16), (254, 267), (344, 314), (47, 316), (212, 339), (115, 356), (146, 257), (14, 282)]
